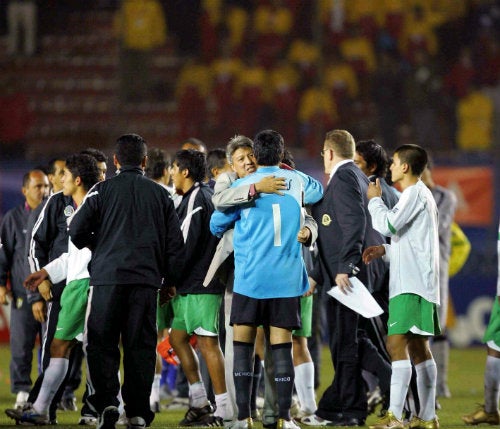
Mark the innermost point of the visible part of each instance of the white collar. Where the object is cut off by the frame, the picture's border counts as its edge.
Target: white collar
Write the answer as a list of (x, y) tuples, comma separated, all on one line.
[(338, 165)]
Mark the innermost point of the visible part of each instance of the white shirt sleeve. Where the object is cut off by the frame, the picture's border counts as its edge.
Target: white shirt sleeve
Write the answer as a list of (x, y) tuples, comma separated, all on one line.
[(58, 268), (389, 222)]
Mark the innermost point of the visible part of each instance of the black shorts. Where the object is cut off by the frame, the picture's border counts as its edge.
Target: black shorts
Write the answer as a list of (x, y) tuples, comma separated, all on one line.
[(279, 312)]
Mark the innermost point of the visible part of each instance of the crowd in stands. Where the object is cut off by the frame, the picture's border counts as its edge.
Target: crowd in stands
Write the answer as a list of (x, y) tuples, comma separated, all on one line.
[(419, 70), (386, 68)]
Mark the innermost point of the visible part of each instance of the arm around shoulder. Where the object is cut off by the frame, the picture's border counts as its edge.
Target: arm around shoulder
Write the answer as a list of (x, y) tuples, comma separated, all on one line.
[(225, 196)]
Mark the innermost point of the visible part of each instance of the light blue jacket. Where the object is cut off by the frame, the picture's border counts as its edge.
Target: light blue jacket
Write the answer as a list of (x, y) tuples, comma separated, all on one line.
[(268, 259)]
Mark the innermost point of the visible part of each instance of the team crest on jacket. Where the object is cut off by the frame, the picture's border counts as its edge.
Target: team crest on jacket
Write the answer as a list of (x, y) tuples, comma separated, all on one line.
[(68, 210), (326, 220)]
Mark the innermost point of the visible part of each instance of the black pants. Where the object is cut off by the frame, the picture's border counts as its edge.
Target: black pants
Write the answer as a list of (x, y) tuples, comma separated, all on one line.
[(347, 394), (127, 312)]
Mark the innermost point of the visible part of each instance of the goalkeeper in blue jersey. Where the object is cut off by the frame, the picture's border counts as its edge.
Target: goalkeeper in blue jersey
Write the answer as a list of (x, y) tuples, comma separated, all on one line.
[(270, 275)]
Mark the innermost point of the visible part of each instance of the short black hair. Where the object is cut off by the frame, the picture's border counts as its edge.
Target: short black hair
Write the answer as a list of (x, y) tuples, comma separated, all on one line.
[(194, 161), (131, 149), (413, 155), (96, 153), (84, 166), (196, 142), (158, 161), (288, 158), (51, 166), (216, 158), (268, 147), (374, 155)]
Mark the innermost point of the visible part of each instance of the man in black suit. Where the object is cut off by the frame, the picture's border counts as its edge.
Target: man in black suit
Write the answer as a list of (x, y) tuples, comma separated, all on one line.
[(345, 230)]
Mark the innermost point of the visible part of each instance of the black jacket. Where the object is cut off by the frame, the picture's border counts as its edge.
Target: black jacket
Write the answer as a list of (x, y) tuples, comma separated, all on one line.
[(49, 238), (130, 224), (345, 230), (194, 213)]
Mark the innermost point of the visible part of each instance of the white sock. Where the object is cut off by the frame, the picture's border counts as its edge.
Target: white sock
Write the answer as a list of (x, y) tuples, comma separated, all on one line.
[(198, 395), (224, 407), (426, 387), (121, 405), (52, 379), (304, 384), (155, 390), (400, 380), (491, 383)]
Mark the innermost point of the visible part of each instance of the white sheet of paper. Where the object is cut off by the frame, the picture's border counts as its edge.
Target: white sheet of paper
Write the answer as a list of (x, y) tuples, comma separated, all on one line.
[(359, 299)]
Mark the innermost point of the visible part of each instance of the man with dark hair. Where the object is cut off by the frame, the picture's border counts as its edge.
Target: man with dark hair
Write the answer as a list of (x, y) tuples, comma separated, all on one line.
[(80, 173), (130, 224), (413, 256), (100, 158), (372, 160), (24, 319), (158, 166), (74, 377), (216, 164), (196, 308), (254, 301), (239, 154), (55, 172), (158, 170), (195, 144), (49, 239)]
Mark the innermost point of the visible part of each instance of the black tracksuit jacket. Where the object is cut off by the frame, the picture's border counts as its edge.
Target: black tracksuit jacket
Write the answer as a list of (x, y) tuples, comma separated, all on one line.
[(130, 224)]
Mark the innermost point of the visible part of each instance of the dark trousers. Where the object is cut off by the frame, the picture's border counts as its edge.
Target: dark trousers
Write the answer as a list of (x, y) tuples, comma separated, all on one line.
[(74, 377), (127, 312), (23, 331), (347, 394)]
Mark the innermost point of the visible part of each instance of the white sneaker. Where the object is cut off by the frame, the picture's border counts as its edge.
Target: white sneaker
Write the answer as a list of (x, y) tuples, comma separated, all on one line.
[(314, 420), (303, 414), (136, 423), (21, 399), (241, 424), (122, 420), (178, 404), (287, 424), (87, 420)]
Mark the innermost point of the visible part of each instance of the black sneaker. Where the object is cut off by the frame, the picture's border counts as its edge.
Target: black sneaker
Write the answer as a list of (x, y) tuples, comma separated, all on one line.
[(108, 418), (203, 416), (27, 415), (211, 421)]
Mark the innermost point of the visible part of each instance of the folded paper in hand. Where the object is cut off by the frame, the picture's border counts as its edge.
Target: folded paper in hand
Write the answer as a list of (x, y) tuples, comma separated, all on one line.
[(358, 299)]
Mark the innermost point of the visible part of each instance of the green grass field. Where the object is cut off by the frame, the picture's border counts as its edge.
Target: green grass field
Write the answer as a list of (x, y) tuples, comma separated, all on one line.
[(465, 381)]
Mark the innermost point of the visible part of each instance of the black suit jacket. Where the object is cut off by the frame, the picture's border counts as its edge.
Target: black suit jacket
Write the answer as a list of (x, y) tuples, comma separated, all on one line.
[(345, 230)]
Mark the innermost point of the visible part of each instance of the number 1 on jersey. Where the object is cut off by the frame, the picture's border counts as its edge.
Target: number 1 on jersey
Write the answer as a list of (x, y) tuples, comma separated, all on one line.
[(277, 224)]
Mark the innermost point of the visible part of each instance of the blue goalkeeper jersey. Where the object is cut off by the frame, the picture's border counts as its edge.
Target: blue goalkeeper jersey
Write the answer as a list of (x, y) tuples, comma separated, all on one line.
[(267, 256)]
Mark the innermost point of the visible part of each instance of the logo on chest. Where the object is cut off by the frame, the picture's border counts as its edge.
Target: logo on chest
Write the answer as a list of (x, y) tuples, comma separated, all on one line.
[(326, 220), (68, 210)]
